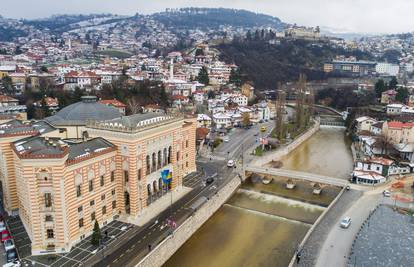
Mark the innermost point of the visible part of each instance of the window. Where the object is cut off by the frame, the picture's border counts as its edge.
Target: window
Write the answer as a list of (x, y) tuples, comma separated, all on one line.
[(90, 185), (112, 176), (48, 200), (50, 233), (178, 156), (80, 222), (92, 202), (78, 191), (92, 216), (148, 169), (113, 192), (186, 143), (48, 218), (103, 210), (114, 204), (186, 164), (103, 197), (126, 176), (80, 209), (102, 180), (139, 174)]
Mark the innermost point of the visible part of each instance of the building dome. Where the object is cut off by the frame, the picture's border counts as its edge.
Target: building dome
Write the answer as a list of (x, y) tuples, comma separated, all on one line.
[(87, 109)]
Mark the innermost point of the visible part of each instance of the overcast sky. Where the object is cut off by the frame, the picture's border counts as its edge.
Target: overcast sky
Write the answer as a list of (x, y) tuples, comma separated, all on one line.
[(368, 16)]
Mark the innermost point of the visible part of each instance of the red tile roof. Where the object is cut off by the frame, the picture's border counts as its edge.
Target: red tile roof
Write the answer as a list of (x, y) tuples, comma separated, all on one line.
[(398, 124), (113, 102)]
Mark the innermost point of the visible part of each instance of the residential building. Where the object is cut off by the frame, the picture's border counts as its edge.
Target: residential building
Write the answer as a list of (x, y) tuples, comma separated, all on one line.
[(116, 104), (364, 123)]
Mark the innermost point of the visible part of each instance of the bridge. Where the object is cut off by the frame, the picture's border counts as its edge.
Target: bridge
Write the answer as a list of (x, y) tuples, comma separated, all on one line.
[(316, 178)]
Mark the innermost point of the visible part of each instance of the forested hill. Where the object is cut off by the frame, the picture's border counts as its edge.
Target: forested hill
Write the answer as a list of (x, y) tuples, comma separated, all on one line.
[(267, 64), (191, 18)]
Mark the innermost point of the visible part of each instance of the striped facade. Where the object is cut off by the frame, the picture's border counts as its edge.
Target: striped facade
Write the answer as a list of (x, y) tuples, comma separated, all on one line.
[(115, 182)]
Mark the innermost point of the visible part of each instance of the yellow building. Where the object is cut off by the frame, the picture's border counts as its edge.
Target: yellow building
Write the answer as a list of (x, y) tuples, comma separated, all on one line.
[(60, 184)]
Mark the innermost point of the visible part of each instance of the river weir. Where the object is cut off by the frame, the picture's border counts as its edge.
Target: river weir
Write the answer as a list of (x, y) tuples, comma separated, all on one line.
[(262, 224)]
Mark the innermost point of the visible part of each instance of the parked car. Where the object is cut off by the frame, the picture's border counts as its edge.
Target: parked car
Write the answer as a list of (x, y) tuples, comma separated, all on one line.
[(2, 226), (263, 129), (345, 222), (12, 264), (5, 235), (231, 163), (226, 139), (386, 193), (8, 244), (209, 180), (11, 255)]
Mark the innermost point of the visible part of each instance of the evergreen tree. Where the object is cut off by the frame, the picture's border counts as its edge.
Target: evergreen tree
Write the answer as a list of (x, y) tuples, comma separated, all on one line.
[(7, 84), (393, 83), (203, 76), (402, 94), (380, 87), (77, 94), (235, 77), (163, 97), (96, 235)]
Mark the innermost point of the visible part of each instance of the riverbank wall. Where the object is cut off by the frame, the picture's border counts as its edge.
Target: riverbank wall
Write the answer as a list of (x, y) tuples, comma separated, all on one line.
[(161, 253), (285, 150)]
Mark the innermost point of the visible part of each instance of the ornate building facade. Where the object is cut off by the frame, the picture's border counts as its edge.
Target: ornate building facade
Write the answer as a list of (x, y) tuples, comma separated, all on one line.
[(60, 178)]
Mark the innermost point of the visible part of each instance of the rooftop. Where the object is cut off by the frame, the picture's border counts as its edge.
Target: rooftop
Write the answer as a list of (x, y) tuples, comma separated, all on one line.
[(87, 109)]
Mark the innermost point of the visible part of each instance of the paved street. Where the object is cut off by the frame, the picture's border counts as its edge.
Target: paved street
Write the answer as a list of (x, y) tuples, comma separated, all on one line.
[(242, 139), (139, 243), (337, 245)]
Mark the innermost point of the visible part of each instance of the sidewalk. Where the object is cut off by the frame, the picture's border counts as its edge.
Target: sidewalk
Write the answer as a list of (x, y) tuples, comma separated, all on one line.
[(157, 207)]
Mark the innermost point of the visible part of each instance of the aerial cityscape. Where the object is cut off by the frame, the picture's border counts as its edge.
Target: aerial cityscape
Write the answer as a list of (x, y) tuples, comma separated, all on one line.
[(206, 133)]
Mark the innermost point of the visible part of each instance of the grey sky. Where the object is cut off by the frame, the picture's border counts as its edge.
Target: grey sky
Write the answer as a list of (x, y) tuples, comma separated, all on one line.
[(374, 16)]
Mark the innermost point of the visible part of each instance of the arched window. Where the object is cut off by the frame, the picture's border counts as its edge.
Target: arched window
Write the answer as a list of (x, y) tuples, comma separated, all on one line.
[(155, 186), (149, 190), (160, 184), (159, 159), (169, 154), (148, 165), (164, 158), (154, 162)]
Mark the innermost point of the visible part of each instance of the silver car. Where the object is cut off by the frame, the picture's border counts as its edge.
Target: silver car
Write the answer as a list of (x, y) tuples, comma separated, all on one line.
[(345, 222)]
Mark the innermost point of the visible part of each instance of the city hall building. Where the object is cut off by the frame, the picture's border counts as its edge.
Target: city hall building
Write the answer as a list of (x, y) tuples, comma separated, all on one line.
[(87, 163)]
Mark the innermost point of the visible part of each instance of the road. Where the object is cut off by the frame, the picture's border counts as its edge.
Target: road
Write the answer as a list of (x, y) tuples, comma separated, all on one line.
[(242, 139), (139, 243), (338, 243)]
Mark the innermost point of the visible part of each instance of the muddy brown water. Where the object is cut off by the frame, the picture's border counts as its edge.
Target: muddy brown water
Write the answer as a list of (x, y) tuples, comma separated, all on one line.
[(261, 225)]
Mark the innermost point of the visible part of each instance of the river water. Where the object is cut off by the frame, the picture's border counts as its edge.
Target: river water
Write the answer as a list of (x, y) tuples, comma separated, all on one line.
[(261, 225)]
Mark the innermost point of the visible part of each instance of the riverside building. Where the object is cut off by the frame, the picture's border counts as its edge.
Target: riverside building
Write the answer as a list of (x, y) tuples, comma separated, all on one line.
[(87, 163)]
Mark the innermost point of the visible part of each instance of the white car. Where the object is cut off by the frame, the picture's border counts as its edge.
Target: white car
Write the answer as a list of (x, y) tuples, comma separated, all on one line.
[(345, 222), (230, 163), (8, 244), (386, 193), (226, 139), (2, 226)]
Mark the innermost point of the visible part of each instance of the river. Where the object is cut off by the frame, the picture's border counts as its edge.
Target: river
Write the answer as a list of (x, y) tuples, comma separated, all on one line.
[(261, 225)]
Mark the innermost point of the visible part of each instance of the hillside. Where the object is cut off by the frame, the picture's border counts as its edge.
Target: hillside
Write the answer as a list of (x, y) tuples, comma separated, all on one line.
[(267, 64), (191, 18)]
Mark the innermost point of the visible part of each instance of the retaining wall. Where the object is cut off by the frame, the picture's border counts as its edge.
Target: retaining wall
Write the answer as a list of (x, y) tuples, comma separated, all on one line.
[(283, 151), (171, 244)]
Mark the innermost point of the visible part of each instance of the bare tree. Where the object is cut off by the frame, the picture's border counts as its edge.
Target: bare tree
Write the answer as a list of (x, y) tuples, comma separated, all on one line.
[(133, 105)]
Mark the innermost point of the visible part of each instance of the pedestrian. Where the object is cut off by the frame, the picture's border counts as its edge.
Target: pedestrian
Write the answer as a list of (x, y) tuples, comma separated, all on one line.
[(298, 255), (149, 247)]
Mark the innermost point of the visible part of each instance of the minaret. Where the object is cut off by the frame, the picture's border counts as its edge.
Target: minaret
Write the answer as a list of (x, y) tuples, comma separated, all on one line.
[(172, 69), (70, 44)]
